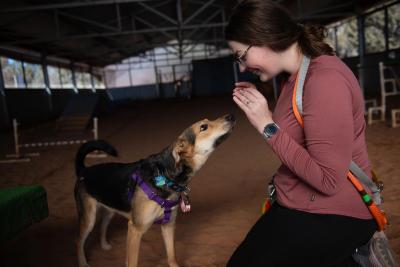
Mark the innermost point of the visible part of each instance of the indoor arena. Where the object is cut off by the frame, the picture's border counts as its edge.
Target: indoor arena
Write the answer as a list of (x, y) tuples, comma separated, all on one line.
[(153, 86)]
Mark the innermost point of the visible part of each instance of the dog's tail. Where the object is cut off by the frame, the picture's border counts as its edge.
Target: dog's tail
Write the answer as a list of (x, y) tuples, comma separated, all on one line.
[(88, 147)]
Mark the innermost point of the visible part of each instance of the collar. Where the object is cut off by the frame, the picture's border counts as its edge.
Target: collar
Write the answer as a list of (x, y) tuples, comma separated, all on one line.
[(164, 182)]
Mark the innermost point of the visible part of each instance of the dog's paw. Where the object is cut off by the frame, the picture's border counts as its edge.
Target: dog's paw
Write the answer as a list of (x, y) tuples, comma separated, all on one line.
[(173, 264), (106, 246)]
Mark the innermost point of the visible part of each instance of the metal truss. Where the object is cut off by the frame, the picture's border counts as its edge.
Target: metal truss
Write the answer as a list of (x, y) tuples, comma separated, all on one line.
[(178, 25)]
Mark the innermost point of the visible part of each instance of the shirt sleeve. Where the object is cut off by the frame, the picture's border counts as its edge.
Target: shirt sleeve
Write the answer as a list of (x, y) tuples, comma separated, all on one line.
[(328, 131)]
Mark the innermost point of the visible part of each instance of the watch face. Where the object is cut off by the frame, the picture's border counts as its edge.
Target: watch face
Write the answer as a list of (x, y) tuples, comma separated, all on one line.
[(271, 129)]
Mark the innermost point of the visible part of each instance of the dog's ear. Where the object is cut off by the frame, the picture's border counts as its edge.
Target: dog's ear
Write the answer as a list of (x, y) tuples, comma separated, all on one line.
[(179, 148)]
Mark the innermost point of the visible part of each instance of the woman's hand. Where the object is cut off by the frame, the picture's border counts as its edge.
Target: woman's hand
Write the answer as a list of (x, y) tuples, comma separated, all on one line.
[(242, 85), (254, 105)]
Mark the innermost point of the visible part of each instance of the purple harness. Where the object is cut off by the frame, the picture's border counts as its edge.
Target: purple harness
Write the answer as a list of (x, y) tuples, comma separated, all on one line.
[(164, 203)]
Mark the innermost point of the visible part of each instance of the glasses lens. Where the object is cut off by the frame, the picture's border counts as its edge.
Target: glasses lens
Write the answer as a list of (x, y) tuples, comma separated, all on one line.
[(240, 59)]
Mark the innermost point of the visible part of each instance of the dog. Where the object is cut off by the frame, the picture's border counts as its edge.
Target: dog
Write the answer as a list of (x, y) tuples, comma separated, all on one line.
[(146, 191)]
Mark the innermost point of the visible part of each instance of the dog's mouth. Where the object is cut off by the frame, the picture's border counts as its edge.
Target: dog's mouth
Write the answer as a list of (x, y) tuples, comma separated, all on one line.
[(223, 137), (230, 123)]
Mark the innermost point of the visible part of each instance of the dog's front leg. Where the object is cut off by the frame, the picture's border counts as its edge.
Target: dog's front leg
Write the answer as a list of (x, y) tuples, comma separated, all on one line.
[(133, 244), (168, 235)]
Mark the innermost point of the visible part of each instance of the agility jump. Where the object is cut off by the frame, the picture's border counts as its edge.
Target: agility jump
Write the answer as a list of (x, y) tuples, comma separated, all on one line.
[(19, 156)]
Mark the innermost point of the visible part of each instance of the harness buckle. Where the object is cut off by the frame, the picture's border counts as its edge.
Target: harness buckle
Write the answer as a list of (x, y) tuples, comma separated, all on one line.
[(271, 191), (379, 184), (186, 190)]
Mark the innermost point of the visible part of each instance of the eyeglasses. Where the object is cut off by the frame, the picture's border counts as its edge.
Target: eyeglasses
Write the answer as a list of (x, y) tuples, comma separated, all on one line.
[(241, 59)]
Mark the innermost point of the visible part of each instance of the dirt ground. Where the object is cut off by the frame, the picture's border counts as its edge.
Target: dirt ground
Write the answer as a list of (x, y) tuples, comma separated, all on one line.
[(226, 193)]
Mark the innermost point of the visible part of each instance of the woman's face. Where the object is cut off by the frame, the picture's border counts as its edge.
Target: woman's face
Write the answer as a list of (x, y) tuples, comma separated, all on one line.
[(259, 60)]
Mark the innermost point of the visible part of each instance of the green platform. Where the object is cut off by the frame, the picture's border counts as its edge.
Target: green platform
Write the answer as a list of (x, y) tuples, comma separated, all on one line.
[(21, 207)]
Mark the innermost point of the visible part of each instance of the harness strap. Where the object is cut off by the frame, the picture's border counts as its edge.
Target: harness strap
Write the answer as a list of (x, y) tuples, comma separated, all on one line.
[(355, 170), (164, 203), (378, 215), (364, 179)]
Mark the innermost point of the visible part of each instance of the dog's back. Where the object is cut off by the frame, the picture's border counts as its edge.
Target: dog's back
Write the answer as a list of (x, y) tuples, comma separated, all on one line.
[(105, 182)]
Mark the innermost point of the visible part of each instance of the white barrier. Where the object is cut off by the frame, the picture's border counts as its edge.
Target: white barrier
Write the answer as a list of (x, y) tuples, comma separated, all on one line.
[(25, 157), (386, 91)]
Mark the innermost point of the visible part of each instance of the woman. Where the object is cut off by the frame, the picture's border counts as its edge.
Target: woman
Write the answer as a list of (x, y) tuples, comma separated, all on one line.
[(319, 218)]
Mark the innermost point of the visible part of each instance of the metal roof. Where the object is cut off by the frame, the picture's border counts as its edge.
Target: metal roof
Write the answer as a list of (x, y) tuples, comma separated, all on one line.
[(101, 32)]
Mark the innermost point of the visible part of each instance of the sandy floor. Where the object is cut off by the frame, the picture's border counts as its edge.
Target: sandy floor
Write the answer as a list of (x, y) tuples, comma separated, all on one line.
[(226, 193)]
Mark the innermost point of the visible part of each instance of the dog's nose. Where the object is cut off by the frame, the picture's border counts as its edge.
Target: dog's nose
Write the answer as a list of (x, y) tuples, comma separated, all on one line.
[(230, 118)]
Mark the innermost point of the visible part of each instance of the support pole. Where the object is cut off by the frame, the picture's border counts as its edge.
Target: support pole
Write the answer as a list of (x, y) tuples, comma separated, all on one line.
[(95, 129), (16, 141), (3, 99), (74, 83), (276, 88), (47, 82), (97, 153), (235, 74), (92, 79)]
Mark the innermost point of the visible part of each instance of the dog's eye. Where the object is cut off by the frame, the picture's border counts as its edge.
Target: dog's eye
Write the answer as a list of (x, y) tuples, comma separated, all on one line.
[(203, 127)]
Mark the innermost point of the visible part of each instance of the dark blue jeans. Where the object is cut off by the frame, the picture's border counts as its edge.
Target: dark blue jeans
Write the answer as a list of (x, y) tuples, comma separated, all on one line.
[(287, 237)]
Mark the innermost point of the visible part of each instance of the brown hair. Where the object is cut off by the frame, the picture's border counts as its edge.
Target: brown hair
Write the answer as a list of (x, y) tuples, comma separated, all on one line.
[(266, 23)]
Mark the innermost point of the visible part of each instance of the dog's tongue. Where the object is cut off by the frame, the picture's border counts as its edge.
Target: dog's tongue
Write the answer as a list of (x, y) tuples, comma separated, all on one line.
[(184, 207), (185, 203)]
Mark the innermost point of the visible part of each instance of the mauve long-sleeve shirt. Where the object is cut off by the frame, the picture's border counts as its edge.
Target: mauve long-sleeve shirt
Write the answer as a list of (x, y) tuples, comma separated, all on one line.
[(315, 161)]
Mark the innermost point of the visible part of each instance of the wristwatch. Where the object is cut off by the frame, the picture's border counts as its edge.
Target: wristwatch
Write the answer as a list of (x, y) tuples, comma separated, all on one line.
[(270, 129)]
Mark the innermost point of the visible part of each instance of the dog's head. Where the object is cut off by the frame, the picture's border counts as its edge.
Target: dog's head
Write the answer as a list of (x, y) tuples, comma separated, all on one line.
[(196, 143)]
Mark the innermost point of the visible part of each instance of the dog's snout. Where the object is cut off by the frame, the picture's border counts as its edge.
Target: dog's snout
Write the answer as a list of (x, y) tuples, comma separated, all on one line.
[(230, 118)]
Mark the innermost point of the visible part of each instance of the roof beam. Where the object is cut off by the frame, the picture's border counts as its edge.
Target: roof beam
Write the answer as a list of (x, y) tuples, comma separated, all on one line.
[(155, 11), (117, 10), (69, 5), (180, 22), (202, 3), (104, 40), (204, 23), (127, 32), (88, 21), (148, 24), (198, 11)]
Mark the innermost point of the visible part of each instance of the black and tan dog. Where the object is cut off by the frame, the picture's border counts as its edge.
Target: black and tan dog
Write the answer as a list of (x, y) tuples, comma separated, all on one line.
[(145, 191)]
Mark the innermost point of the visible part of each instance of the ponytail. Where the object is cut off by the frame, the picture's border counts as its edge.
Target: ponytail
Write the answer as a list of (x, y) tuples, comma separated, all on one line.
[(311, 40)]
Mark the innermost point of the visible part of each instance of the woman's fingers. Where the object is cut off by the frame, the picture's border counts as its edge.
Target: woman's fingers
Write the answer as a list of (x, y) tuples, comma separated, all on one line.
[(245, 98), (254, 92), (241, 97), (240, 103), (245, 85), (248, 95)]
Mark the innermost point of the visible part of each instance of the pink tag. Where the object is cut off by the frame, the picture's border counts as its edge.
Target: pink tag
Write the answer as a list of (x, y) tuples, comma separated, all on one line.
[(184, 207)]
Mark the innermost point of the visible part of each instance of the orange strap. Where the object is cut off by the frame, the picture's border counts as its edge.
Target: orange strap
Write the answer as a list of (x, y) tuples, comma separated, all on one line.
[(266, 206), (294, 105), (378, 215)]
